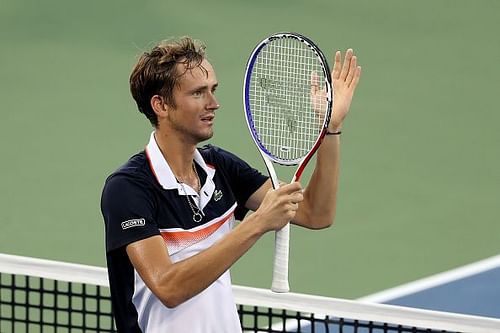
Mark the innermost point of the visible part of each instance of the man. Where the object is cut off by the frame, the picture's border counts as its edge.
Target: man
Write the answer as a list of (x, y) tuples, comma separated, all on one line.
[(169, 211)]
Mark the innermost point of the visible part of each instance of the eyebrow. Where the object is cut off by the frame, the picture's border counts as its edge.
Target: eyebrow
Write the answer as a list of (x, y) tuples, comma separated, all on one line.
[(203, 87)]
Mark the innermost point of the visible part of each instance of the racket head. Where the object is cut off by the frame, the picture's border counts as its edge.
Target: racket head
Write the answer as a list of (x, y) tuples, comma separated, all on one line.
[(287, 121)]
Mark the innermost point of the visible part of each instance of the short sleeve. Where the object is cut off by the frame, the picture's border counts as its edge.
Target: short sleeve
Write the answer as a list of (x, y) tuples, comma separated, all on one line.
[(127, 206)]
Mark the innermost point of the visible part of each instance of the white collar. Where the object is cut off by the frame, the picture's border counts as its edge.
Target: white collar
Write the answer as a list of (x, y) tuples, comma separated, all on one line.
[(166, 178)]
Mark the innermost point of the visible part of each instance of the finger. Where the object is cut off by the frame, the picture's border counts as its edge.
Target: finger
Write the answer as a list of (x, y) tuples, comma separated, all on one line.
[(291, 188), (355, 80), (297, 197), (336, 66), (314, 83), (347, 63), (352, 70), (289, 215)]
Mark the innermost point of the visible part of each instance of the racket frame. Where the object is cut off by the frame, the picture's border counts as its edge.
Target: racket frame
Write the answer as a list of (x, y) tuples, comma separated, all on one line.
[(282, 237)]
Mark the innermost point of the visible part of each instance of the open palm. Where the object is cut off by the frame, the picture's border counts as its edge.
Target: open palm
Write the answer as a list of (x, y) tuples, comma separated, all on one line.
[(345, 77)]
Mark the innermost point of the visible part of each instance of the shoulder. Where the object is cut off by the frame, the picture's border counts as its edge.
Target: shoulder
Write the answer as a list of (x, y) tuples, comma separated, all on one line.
[(209, 150), (136, 166), (135, 171)]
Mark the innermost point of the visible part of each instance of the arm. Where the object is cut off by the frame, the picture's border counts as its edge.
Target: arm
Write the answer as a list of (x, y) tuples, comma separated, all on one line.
[(174, 283), (317, 210)]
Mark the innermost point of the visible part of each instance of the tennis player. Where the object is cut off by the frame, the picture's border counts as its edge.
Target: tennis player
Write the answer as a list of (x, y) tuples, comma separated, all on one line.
[(170, 211)]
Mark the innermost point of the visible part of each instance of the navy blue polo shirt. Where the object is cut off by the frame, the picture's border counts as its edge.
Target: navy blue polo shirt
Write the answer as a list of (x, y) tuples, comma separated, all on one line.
[(143, 199)]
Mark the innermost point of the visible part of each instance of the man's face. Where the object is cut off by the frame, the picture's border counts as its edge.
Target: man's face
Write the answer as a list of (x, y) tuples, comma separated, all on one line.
[(194, 114)]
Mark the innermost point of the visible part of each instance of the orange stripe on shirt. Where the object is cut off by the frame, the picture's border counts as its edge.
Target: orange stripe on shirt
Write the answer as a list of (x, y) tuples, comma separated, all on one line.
[(178, 237)]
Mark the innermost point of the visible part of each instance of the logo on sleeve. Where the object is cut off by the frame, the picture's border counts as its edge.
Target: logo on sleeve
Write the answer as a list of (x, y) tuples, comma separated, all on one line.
[(133, 223)]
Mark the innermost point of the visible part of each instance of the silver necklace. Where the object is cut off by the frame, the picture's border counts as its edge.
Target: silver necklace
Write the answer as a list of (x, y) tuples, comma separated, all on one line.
[(197, 212)]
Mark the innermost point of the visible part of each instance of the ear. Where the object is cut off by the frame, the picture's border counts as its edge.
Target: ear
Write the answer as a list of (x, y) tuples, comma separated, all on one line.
[(159, 106)]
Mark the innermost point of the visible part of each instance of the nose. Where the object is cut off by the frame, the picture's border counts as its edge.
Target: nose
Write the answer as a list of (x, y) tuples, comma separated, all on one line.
[(212, 103)]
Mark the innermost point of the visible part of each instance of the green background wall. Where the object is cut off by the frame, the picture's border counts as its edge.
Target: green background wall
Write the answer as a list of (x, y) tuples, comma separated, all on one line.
[(420, 183)]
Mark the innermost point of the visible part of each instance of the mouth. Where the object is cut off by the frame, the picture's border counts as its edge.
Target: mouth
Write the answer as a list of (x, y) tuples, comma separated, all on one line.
[(208, 118)]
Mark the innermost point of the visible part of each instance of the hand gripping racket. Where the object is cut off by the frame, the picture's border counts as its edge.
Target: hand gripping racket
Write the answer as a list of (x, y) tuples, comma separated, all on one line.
[(288, 101)]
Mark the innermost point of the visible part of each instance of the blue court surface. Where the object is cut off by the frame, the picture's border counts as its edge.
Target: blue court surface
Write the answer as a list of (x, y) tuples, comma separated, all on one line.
[(473, 289)]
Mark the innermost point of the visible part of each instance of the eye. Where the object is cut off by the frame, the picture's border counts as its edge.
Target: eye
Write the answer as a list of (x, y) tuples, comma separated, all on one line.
[(197, 93)]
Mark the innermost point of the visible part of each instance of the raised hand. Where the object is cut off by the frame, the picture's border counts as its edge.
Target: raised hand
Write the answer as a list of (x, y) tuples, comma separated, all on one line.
[(318, 97), (345, 78)]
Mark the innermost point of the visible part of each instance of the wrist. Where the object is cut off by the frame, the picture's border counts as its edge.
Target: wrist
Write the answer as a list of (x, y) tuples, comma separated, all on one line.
[(254, 221), (336, 132), (334, 127)]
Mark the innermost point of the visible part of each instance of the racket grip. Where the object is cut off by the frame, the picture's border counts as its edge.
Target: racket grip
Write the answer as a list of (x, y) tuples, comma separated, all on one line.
[(280, 265)]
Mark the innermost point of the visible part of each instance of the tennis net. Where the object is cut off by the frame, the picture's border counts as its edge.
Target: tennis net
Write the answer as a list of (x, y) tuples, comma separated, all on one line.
[(48, 296)]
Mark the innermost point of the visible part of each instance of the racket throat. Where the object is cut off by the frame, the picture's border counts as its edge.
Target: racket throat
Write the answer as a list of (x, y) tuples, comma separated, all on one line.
[(270, 170)]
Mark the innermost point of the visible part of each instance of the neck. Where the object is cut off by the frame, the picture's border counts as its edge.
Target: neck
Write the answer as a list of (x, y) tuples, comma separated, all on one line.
[(178, 154)]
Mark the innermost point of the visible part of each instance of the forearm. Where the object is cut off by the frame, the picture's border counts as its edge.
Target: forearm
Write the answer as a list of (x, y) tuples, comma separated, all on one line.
[(320, 196), (175, 283)]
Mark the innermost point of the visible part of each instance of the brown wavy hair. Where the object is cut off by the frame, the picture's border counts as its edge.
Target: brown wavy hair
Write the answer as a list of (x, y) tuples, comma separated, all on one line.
[(156, 72)]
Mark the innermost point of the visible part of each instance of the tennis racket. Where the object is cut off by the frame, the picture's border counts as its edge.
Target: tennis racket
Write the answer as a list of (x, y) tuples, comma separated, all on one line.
[(288, 100)]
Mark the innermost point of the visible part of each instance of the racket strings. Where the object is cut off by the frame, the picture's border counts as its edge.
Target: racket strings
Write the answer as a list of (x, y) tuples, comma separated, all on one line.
[(287, 116)]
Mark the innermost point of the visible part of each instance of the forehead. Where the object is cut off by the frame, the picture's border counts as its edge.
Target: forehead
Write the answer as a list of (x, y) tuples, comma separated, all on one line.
[(203, 74)]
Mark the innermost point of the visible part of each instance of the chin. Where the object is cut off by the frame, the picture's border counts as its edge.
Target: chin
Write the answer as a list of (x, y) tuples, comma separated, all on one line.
[(205, 136)]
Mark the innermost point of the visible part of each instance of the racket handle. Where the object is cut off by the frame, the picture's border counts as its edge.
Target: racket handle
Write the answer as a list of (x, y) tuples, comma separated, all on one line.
[(280, 265)]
